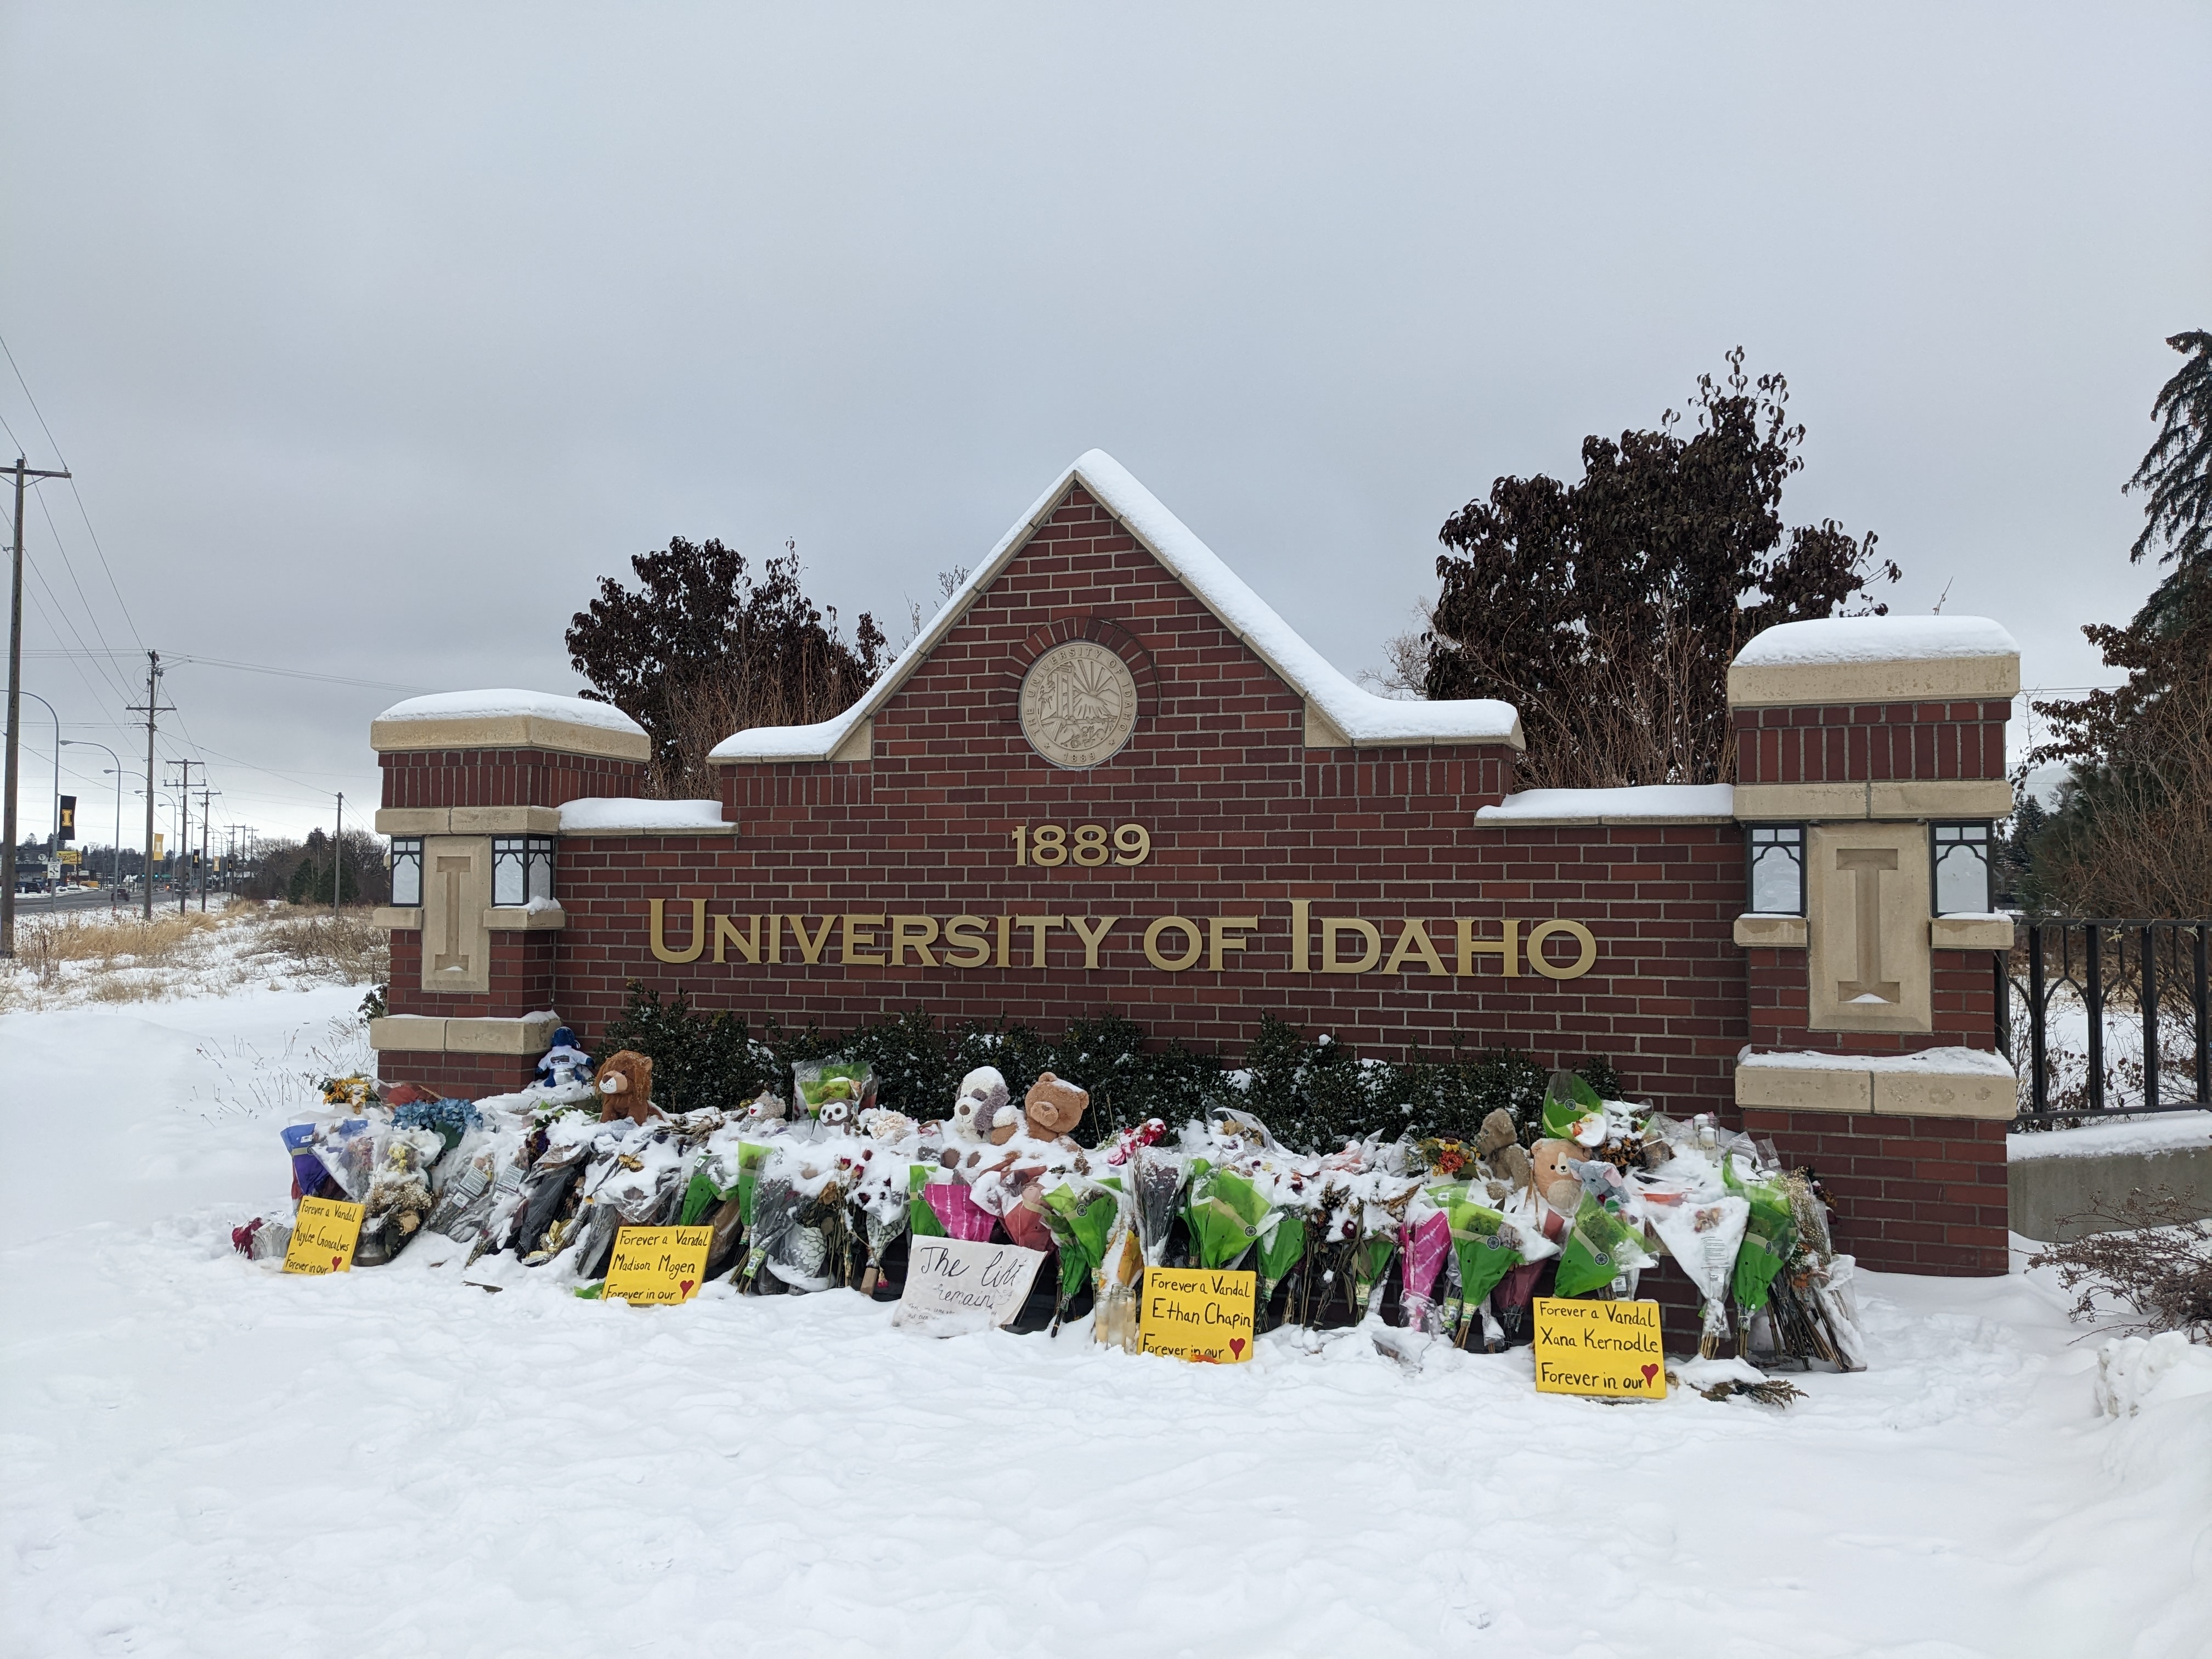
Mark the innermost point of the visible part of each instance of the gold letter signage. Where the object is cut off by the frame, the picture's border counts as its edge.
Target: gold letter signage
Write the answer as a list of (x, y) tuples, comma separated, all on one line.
[(680, 931)]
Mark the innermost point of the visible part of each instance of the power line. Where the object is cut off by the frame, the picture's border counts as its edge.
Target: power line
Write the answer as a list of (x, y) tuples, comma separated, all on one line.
[(255, 668), (83, 512)]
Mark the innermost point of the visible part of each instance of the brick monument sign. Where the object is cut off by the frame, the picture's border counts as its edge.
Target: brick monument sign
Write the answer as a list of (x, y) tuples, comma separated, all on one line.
[(1108, 778)]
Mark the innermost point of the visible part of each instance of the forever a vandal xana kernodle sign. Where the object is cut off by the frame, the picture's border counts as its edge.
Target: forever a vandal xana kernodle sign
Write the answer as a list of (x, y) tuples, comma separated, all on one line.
[(956, 1285)]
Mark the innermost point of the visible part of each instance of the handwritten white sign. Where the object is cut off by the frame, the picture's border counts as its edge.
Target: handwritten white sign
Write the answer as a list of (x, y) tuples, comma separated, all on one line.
[(954, 1284)]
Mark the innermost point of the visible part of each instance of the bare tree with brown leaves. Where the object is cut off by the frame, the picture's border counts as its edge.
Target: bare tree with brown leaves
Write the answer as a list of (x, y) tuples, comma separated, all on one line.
[(700, 650), (1608, 610)]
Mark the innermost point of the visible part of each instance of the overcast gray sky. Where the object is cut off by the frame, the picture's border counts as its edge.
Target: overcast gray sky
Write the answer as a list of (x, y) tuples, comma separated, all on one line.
[(375, 334)]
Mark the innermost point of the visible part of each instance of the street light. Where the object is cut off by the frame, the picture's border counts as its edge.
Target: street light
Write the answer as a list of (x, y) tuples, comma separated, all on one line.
[(163, 796), (57, 719), (115, 861), (49, 707)]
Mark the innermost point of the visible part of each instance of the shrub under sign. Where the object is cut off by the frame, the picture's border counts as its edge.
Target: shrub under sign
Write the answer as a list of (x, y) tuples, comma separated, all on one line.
[(1610, 1349)]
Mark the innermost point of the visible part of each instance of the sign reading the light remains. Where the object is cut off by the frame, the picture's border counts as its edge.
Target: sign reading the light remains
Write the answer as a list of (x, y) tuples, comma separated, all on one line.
[(959, 1284), (1606, 1348), (1198, 1314), (657, 1265), (324, 1234)]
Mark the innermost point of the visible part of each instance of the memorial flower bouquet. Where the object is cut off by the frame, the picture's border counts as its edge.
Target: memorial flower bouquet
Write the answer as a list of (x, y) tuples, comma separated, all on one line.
[(1226, 1215), (1423, 1244), (776, 1204)]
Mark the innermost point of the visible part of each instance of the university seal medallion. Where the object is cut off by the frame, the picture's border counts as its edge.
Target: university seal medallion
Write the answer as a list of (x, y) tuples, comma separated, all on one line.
[(1079, 704)]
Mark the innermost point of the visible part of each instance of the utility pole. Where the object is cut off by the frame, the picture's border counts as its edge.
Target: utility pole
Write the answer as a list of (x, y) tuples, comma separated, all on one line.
[(337, 865), (22, 475), (185, 828), (207, 814), (152, 709)]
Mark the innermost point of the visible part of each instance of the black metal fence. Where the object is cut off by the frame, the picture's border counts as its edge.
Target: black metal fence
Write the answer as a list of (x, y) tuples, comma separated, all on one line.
[(2150, 968)]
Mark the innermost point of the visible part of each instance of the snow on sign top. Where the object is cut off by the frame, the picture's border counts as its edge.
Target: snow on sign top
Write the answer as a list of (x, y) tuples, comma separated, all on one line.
[(1640, 804), (506, 702), (1364, 720), (1876, 639), (604, 814)]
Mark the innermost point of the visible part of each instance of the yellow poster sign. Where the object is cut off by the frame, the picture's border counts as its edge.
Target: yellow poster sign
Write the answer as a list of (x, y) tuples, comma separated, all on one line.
[(324, 1234), (1608, 1348), (657, 1265), (1198, 1314)]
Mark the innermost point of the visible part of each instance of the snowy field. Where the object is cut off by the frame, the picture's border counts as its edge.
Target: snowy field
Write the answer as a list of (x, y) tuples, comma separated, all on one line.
[(202, 1456)]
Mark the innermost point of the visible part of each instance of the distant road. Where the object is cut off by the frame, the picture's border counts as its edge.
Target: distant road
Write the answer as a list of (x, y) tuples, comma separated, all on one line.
[(84, 898)]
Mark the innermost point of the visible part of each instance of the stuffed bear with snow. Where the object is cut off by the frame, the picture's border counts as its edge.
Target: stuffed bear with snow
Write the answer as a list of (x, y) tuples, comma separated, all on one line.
[(1053, 1108), (1554, 1171), (982, 1092), (625, 1086)]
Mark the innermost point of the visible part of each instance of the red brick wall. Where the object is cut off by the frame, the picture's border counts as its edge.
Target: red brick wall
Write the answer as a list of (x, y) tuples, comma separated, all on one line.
[(1912, 1195), (1244, 821), (1882, 741), (469, 1077), (504, 777), (523, 977), (1243, 818), (1963, 995)]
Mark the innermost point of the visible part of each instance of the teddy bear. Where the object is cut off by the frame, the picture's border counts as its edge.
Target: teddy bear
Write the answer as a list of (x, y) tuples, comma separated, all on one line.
[(625, 1084), (1053, 1108), (1005, 1123), (1554, 1172), (982, 1092)]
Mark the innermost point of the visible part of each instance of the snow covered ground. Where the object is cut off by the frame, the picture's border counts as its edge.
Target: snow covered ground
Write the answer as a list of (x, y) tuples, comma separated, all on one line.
[(202, 1456)]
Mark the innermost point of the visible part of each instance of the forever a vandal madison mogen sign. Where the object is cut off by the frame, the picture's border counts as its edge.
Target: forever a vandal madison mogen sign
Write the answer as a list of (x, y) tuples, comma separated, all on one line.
[(689, 931)]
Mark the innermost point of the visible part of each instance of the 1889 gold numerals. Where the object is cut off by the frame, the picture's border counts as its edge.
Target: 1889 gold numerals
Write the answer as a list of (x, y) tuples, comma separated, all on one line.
[(1087, 846)]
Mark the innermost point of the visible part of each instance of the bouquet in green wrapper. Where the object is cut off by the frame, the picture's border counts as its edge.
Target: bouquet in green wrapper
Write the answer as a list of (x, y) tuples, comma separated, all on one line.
[(1573, 1111), (1770, 1237), (1082, 1220), (1485, 1244), (920, 1216), (1225, 1214), (1281, 1248)]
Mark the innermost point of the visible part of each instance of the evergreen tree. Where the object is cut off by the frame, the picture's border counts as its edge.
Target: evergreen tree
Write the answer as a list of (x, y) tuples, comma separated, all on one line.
[(2132, 835), (2178, 472)]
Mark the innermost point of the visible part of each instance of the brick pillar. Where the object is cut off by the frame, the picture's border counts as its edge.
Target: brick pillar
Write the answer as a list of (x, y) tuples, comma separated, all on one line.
[(471, 1002), (1873, 1013)]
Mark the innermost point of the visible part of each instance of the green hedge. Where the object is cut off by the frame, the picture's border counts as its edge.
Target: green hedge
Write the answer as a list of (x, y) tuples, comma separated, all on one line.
[(1314, 1092)]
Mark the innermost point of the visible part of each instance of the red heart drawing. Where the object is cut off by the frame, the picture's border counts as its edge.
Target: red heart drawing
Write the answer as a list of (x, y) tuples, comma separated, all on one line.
[(1236, 1346), (1649, 1371), (684, 1286), (335, 1261)]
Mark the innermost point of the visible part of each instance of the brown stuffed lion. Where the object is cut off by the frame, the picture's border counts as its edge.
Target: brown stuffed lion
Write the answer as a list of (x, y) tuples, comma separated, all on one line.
[(624, 1081)]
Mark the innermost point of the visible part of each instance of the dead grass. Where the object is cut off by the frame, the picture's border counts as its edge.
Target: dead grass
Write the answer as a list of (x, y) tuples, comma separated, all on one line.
[(78, 957), (348, 948)]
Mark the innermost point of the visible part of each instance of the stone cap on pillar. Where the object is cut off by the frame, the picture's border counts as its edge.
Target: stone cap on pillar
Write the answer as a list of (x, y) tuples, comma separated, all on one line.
[(1943, 1082), (1858, 660), (505, 718)]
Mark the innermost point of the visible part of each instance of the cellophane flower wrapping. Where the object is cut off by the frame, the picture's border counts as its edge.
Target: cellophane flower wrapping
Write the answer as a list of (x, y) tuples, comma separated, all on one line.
[(1225, 1215), (957, 1212), (1156, 1181), (1423, 1246)]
